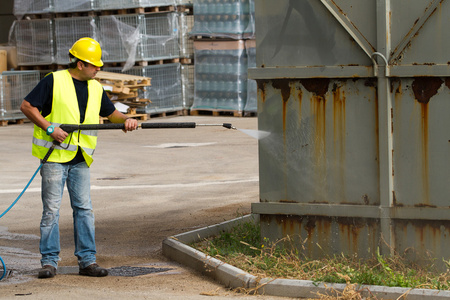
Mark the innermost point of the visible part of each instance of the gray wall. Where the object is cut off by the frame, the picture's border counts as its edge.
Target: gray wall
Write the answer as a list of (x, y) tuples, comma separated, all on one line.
[(354, 94), (6, 19)]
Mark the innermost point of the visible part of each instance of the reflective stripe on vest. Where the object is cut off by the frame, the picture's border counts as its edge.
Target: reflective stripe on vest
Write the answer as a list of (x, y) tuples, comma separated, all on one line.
[(65, 111)]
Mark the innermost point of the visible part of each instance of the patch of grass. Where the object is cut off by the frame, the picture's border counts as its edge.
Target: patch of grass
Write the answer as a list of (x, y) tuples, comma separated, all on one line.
[(239, 240), (242, 247)]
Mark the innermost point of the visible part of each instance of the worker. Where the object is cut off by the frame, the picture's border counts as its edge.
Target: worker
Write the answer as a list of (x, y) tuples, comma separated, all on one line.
[(70, 96)]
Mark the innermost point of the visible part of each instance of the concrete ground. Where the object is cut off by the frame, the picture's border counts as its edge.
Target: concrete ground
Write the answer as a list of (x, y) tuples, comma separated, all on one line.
[(146, 185)]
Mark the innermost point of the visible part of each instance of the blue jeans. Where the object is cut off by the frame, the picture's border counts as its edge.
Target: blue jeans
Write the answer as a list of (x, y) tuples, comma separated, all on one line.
[(77, 177)]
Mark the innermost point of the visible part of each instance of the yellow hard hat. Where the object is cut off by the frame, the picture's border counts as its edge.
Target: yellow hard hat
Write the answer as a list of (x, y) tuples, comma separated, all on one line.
[(88, 50)]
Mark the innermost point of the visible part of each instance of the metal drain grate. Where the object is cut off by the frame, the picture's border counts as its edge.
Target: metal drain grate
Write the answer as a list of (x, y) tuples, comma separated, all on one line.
[(134, 271), (5, 274)]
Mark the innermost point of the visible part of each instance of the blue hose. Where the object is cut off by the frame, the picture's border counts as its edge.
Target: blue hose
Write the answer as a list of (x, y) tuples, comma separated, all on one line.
[(4, 268), (11, 206), (28, 184)]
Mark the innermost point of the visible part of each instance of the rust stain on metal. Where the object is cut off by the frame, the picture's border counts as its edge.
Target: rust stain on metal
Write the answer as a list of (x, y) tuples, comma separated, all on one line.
[(261, 84), (428, 233), (370, 82), (319, 111), (310, 225), (351, 234), (287, 223), (325, 229), (396, 89), (299, 97), (377, 129), (318, 86), (339, 113), (339, 138), (319, 202), (288, 201), (396, 86), (338, 8), (425, 165), (318, 231), (366, 199), (424, 88), (447, 81), (284, 86), (425, 205), (347, 234), (394, 200), (318, 107), (353, 229)]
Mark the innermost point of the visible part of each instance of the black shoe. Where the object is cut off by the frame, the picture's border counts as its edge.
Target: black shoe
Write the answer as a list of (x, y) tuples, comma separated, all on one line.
[(93, 270), (47, 271)]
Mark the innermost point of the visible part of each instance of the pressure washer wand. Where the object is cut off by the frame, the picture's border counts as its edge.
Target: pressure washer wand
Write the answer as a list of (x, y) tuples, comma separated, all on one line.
[(73, 127)]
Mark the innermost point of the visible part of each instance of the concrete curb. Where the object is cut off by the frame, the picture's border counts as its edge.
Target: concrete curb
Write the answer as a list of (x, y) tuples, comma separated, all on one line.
[(176, 248)]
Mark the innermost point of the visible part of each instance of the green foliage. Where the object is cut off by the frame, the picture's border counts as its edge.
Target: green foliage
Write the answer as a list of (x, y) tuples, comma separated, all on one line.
[(238, 240), (244, 248)]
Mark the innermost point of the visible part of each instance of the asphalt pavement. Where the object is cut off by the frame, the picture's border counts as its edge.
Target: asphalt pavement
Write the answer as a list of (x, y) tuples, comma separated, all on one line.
[(146, 185)]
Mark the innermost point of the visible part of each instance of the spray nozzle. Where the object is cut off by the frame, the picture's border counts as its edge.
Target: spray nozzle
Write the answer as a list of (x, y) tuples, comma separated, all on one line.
[(228, 125)]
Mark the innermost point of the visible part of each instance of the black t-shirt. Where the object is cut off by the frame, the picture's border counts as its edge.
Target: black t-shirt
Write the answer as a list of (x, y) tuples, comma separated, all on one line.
[(41, 97)]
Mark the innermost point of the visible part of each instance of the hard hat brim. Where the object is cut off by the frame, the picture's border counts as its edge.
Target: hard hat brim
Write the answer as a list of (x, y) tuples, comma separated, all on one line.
[(97, 64)]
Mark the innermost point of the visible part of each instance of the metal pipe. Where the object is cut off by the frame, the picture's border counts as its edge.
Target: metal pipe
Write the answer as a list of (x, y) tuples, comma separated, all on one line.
[(226, 125), (375, 64)]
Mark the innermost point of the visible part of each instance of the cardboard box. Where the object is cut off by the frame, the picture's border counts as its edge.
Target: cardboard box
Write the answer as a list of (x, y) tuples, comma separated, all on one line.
[(219, 45), (3, 61), (5, 96), (11, 57)]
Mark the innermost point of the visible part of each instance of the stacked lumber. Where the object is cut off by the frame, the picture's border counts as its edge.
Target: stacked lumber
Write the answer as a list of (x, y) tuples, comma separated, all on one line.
[(124, 88)]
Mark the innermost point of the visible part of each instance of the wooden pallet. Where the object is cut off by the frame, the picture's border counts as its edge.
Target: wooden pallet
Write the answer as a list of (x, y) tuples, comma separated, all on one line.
[(186, 61), (183, 112), (122, 96), (145, 63), (156, 9), (75, 14), (37, 16), (121, 83), (210, 37), (198, 112), (139, 10), (142, 117), (187, 9), (135, 103), (52, 67), (4, 123), (250, 114)]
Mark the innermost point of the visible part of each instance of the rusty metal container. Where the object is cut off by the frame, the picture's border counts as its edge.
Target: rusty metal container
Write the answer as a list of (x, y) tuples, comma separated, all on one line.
[(355, 95)]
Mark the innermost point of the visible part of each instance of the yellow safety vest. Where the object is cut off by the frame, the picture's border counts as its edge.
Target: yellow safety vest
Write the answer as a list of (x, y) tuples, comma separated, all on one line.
[(65, 111)]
